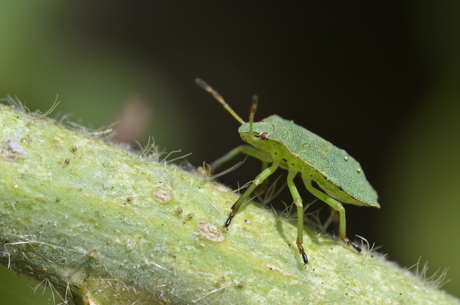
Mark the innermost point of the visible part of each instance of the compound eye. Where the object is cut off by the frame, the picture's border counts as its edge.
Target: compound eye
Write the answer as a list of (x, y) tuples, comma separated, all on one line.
[(264, 135)]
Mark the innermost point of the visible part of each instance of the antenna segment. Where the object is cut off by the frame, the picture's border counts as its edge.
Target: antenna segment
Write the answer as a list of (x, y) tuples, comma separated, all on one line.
[(219, 98)]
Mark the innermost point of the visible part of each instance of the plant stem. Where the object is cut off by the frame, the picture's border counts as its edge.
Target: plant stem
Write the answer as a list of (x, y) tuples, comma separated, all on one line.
[(106, 226)]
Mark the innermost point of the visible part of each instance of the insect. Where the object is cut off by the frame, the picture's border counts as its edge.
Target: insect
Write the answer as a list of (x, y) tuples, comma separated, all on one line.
[(283, 144)]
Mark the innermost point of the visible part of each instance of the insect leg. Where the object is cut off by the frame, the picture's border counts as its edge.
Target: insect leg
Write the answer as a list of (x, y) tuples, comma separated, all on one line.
[(257, 181), (265, 185), (245, 149), (336, 205), (298, 202)]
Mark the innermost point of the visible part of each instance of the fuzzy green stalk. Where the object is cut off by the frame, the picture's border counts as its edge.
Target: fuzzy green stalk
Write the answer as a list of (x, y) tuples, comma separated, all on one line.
[(103, 225)]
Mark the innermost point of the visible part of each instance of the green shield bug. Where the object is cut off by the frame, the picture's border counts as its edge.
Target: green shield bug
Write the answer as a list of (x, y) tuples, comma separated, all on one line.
[(289, 146)]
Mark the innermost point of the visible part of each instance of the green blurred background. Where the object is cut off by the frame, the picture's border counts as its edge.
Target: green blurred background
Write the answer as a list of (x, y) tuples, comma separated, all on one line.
[(380, 80)]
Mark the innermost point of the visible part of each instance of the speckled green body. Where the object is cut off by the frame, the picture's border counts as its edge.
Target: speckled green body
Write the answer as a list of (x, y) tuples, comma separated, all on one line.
[(335, 171)]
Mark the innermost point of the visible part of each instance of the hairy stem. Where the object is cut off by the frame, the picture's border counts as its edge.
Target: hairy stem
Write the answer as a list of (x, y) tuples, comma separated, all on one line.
[(106, 226)]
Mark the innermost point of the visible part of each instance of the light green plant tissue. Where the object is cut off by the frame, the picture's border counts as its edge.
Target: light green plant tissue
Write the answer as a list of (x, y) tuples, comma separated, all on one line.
[(103, 225)]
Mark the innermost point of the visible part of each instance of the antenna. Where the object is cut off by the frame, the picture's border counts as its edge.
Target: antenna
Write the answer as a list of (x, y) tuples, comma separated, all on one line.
[(252, 112), (220, 99)]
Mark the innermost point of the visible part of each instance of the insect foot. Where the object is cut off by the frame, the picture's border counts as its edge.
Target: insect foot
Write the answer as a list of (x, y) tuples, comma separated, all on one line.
[(302, 253), (355, 245), (229, 219)]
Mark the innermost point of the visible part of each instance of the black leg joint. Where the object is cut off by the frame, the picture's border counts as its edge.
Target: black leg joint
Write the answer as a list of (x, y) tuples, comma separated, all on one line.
[(355, 245), (304, 256), (229, 219)]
